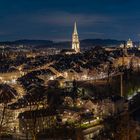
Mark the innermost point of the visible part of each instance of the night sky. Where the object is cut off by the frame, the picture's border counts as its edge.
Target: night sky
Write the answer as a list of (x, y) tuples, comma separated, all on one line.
[(53, 19)]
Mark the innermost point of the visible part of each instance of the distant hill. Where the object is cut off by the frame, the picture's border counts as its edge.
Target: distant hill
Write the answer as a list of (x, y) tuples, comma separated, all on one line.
[(66, 44), (90, 43), (102, 42), (28, 42)]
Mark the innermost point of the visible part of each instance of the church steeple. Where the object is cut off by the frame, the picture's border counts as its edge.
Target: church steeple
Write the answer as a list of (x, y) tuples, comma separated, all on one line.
[(75, 40), (75, 28)]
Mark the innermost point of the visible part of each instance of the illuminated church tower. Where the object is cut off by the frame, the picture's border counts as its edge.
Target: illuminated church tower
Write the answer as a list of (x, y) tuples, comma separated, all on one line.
[(75, 40)]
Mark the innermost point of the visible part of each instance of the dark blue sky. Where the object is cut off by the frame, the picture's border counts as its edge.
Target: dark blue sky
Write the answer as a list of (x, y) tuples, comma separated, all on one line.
[(53, 19)]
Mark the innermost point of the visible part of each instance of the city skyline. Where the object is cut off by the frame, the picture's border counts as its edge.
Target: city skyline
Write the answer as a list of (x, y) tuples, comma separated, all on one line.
[(69, 70), (53, 20)]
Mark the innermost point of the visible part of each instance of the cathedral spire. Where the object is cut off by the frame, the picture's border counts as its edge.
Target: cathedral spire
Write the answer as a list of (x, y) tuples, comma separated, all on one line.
[(75, 40), (75, 28)]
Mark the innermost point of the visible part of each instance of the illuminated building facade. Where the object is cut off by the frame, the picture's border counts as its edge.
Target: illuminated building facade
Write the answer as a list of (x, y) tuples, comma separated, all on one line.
[(129, 44), (75, 40)]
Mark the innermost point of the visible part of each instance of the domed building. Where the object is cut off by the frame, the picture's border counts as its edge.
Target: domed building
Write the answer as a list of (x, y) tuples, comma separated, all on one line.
[(129, 44)]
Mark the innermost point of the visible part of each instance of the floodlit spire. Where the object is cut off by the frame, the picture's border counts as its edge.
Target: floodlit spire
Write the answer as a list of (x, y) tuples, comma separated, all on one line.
[(75, 40), (75, 28)]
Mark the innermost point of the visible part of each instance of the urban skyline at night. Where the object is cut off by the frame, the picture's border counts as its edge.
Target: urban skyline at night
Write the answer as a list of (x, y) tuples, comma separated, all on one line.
[(69, 70)]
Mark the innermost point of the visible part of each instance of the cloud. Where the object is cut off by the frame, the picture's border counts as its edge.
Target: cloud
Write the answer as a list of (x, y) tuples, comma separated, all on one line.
[(93, 33), (4, 33), (56, 24), (67, 19)]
